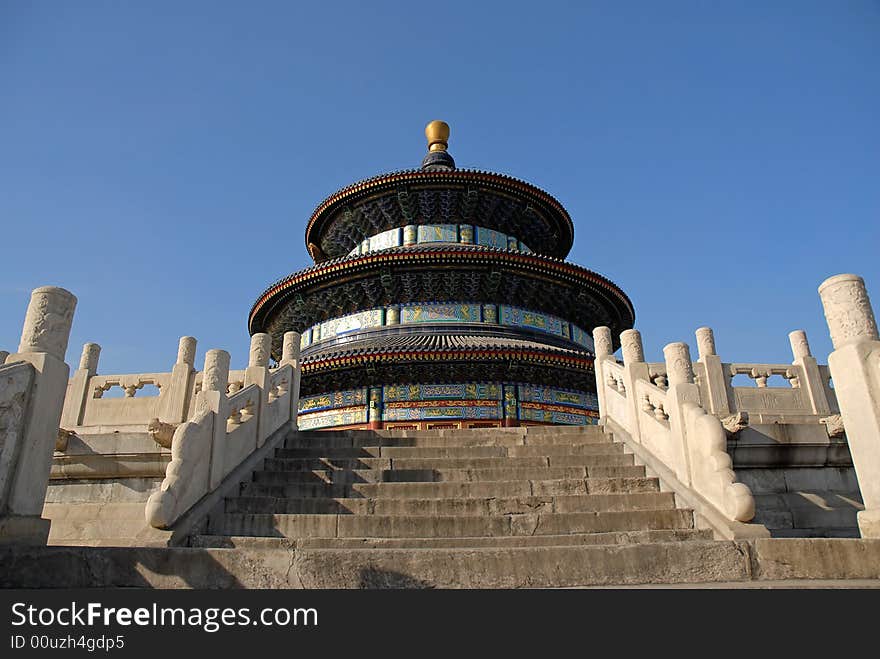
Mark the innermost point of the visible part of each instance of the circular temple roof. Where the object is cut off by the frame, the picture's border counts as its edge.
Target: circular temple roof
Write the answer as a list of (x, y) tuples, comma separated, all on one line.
[(447, 273), (439, 196)]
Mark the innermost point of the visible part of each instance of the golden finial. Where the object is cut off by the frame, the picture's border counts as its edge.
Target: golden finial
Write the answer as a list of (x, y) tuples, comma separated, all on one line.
[(437, 133)]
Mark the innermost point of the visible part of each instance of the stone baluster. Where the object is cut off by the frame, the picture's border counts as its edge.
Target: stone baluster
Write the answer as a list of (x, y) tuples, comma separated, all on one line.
[(212, 397), (809, 380), (631, 347), (78, 390), (215, 377), (24, 480), (713, 383), (257, 373), (603, 349), (855, 370), (181, 382), (290, 354), (679, 371), (634, 369)]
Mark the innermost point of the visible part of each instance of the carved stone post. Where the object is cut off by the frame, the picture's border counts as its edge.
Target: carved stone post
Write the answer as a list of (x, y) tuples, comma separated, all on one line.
[(631, 346), (811, 380), (290, 355), (212, 397), (3, 355), (680, 374), (713, 382), (603, 350), (216, 374), (634, 370), (78, 390), (855, 370), (257, 373), (181, 383), (27, 456)]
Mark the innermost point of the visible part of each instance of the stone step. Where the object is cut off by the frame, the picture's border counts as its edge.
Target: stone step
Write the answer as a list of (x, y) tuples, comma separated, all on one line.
[(450, 451), (443, 475), (454, 506), (422, 526), (409, 464), (459, 489), (566, 540), (471, 439)]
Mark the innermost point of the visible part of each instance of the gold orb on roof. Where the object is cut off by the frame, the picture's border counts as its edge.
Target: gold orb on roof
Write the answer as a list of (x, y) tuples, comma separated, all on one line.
[(437, 133)]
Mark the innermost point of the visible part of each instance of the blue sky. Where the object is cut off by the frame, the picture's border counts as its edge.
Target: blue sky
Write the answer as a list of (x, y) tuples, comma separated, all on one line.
[(160, 159)]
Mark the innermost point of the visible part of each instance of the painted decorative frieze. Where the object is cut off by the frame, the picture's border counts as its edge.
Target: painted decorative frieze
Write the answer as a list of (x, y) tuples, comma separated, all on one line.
[(440, 313), (556, 417), (518, 317), (416, 392), (491, 238), (552, 396), (333, 399), (351, 323), (427, 410), (343, 417), (438, 233)]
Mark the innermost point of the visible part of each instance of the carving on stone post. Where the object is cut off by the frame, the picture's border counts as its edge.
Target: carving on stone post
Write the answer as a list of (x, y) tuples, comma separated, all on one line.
[(181, 387), (602, 342), (216, 375), (78, 389), (705, 341), (28, 444), (710, 375), (800, 347), (261, 349), (291, 347), (602, 347), (807, 376), (679, 369), (855, 369), (631, 346), (88, 361), (848, 310), (186, 350), (291, 355), (47, 321)]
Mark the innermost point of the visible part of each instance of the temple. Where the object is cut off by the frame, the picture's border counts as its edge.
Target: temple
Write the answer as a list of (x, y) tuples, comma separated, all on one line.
[(437, 402), (440, 299)]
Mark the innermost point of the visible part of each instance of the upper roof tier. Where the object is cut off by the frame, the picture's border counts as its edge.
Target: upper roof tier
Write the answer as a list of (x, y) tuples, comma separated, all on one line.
[(438, 193)]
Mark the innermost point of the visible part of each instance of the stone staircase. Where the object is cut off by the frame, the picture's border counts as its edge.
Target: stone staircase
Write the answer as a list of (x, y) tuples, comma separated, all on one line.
[(488, 488), (534, 507)]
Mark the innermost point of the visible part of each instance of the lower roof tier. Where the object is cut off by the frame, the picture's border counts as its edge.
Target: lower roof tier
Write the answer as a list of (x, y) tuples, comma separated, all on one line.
[(450, 358), (439, 274)]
